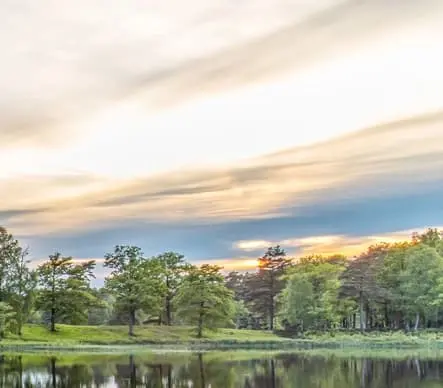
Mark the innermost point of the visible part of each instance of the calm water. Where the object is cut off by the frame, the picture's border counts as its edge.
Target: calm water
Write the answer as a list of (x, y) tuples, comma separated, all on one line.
[(216, 370)]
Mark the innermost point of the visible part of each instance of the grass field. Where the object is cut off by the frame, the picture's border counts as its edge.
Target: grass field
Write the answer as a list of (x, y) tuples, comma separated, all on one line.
[(118, 335), (182, 338)]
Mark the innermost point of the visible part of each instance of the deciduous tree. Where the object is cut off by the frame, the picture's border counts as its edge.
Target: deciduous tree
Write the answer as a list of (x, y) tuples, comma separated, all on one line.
[(135, 282), (65, 288), (204, 300), (174, 269)]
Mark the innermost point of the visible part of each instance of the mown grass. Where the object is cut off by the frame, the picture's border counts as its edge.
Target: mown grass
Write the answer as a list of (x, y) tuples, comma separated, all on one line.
[(90, 336), (106, 338), (376, 340)]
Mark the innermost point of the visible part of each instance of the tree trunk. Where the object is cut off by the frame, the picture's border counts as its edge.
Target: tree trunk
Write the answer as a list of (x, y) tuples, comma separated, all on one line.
[(417, 321), (19, 327), (271, 315), (53, 320), (168, 311), (362, 313), (387, 322), (200, 321), (131, 322)]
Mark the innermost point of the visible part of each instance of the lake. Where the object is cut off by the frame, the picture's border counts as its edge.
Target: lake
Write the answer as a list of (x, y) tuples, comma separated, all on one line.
[(219, 370)]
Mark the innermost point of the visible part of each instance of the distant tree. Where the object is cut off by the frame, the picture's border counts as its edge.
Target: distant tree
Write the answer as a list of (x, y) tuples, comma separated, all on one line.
[(432, 238), (17, 281), (238, 283), (204, 300), (10, 253), (174, 269), (268, 282), (65, 288), (22, 287), (135, 282), (310, 298), (360, 280), (420, 280), (101, 313), (297, 302)]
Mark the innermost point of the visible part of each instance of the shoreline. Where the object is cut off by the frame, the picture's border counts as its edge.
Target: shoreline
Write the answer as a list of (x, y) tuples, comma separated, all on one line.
[(214, 345), (182, 338)]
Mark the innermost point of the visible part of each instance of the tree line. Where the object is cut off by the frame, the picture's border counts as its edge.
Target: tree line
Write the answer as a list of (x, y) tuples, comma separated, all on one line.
[(390, 286)]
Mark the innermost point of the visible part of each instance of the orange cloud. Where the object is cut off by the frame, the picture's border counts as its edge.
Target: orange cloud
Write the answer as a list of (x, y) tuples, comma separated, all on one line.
[(329, 245)]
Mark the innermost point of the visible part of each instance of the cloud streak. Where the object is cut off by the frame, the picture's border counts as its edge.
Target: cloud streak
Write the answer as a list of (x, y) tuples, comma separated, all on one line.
[(387, 159)]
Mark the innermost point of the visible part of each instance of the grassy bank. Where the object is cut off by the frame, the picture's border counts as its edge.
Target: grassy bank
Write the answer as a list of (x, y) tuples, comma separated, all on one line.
[(183, 338), (176, 337)]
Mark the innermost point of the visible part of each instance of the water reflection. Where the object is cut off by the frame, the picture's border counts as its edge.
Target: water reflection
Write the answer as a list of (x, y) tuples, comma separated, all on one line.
[(208, 370)]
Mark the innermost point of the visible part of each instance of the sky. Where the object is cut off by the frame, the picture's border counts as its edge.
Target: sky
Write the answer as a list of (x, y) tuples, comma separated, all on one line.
[(217, 129)]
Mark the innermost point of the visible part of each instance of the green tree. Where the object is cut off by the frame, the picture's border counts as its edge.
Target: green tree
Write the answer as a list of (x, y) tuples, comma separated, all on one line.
[(101, 313), (22, 287), (360, 281), (390, 279), (17, 281), (135, 282), (265, 286), (310, 298), (203, 299), (65, 288), (297, 301), (174, 269), (10, 253), (7, 318), (420, 280)]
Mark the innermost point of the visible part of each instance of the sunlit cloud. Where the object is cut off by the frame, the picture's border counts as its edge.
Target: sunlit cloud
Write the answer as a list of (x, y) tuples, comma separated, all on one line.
[(329, 245), (275, 185)]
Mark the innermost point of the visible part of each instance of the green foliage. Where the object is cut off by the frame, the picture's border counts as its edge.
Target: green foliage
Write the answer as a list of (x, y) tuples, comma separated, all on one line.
[(310, 299), (420, 280), (174, 268), (203, 299), (22, 289), (102, 312), (268, 282), (17, 281), (64, 289), (7, 318), (135, 282)]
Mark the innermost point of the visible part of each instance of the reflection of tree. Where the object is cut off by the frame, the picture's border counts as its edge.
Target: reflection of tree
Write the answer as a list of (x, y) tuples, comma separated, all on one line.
[(208, 370), (201, 368), (265, 376)]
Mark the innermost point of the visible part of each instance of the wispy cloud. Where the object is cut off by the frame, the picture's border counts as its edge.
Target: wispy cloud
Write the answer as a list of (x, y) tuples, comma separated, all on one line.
[(371, 162), (79, 62)]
